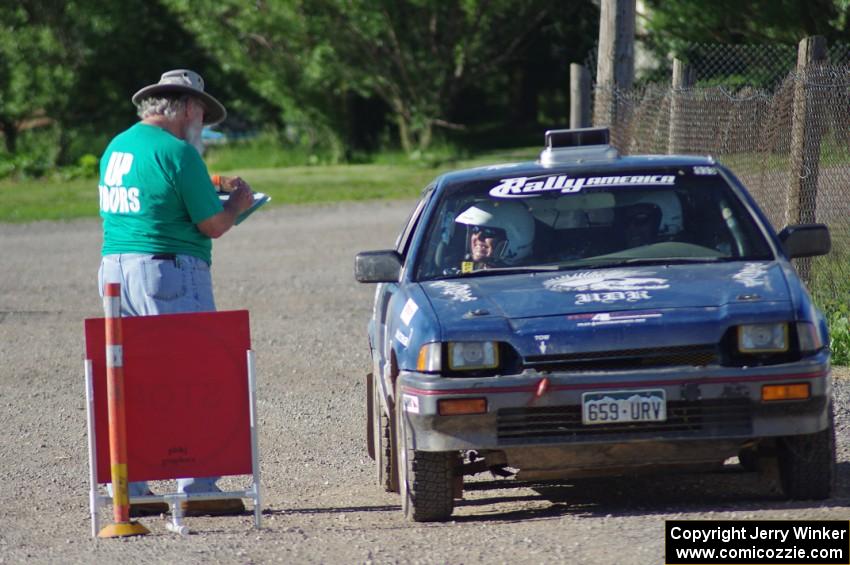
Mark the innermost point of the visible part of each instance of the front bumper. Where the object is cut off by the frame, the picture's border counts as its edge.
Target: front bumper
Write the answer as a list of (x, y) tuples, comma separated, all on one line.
[(720, 405)]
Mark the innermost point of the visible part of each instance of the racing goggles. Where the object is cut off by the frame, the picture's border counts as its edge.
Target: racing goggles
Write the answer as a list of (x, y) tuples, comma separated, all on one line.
[(489, 233)]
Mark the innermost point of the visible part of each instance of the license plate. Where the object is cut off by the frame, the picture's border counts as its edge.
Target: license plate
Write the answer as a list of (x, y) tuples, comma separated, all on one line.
[(623, 406)]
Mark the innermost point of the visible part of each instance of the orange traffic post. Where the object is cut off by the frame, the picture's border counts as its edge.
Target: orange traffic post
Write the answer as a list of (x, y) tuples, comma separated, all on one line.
[(117, 426)]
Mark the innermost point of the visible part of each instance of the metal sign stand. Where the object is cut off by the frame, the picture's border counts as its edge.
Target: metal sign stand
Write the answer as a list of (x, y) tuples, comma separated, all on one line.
[(174, 499)]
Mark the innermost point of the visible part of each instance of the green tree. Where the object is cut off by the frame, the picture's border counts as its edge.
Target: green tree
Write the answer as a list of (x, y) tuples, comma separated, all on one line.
[(75, 64), (672, 24), (270, 45), (33, 70), (418, 55), (415, 55)]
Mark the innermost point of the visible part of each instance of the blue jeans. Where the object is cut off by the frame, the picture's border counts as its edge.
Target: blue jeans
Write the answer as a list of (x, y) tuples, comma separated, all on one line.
[(159, 284)]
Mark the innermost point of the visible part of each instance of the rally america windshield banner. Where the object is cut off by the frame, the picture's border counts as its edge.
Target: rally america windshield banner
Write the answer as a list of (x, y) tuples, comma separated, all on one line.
[(526, 187)]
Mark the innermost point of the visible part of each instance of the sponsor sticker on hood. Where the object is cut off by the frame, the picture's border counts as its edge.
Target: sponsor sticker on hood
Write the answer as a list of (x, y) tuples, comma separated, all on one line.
[(608, 286), (753, 274), (458, 292), (612, 318)]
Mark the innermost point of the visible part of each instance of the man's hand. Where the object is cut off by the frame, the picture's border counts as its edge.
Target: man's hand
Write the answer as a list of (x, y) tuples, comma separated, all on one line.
[(240, 200)]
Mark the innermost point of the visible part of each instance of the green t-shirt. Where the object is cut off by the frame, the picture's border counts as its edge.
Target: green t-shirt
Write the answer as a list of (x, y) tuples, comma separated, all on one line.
[(154, 189)]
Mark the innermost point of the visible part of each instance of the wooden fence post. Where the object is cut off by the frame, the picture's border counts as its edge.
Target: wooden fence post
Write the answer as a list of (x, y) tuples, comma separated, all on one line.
[(579, 96), (683, 79), (615, 68), (806, 131)]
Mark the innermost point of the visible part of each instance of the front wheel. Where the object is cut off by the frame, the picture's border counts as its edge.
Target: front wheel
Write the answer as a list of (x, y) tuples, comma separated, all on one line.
[(426, 478), (807, 464)]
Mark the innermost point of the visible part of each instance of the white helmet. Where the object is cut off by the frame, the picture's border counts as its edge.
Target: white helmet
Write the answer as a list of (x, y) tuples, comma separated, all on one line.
[(512, 218)]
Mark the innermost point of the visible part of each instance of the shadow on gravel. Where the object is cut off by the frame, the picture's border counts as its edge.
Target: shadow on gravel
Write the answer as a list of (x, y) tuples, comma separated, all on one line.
[(332, 510), (519, 515), (729, 489)]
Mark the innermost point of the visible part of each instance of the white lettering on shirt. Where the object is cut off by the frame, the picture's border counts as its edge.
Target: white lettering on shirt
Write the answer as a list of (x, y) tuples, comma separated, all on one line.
[(115, 198), (119, 165)]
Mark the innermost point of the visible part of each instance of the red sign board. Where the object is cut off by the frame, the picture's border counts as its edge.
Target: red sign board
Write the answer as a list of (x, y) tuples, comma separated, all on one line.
[(186, 387)]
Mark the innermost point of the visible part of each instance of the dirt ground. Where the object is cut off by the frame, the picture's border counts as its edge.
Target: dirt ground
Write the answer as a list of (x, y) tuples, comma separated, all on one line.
[(292, 268)]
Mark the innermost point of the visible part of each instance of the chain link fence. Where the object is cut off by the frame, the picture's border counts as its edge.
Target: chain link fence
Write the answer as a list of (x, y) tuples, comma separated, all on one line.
[(783, 131)]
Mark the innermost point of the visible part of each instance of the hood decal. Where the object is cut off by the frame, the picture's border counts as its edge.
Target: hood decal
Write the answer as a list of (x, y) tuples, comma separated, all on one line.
[(459, 292), (628, 285), (613, 279), (752, 274), (612, 297), (612, 318)]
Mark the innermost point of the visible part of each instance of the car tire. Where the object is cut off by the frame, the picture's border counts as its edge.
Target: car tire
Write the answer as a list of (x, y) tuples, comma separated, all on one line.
[(384, 442), (426, 478), (807, 464)]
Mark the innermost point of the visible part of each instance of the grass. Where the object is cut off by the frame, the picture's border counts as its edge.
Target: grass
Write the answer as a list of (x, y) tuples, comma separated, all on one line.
[(53, 199), (830, 288), (391, 175)]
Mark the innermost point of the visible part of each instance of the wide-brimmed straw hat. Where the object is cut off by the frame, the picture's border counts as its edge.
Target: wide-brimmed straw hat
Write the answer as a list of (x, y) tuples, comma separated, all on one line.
[(186, 82)]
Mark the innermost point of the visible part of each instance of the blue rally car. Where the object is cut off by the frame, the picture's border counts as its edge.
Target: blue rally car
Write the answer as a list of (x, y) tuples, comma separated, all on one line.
[(593, 314)]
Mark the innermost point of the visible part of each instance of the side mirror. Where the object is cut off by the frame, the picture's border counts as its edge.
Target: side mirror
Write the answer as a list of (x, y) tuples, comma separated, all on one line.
[(805, 240), (377, 266)]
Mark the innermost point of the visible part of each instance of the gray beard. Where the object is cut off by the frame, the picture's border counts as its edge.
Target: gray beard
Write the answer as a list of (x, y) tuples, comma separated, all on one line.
[(193, 137)]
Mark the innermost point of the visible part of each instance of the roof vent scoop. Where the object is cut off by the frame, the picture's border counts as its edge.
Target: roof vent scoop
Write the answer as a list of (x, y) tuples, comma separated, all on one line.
[(577, 146)]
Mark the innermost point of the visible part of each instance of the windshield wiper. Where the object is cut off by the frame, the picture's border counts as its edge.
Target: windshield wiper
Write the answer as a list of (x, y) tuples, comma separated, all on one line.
[(672, 260), (691, 259), (503, 270), (604, 264)]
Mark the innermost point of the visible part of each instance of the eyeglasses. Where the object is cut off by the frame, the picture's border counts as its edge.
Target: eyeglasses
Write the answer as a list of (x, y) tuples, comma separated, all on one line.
[(485, 232)]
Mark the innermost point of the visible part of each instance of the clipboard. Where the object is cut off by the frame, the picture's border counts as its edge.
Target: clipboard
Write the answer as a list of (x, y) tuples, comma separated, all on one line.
[(259, 200)]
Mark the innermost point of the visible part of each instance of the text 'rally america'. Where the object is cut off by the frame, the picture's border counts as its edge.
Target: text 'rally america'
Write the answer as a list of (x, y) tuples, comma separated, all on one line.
[(525, 187)]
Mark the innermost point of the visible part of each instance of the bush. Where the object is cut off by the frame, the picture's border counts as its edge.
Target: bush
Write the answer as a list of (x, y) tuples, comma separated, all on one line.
[(839, 338), (830, 288), (87, 166), (270, 149), (265, 150), (437, 155), (24, 165)]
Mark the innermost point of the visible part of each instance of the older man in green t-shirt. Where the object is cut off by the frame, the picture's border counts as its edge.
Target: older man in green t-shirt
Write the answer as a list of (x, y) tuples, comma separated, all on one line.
[(160, 213)]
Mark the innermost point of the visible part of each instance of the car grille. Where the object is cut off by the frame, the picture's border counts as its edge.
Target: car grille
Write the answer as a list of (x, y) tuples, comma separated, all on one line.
[(690, 355), (558, 424)]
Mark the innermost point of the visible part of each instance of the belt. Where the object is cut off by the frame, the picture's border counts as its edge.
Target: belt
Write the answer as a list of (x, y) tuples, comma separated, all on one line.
[(164, 257)]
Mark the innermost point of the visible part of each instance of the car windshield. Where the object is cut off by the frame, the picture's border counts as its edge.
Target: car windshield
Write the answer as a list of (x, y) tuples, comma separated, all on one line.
[(558, 221)]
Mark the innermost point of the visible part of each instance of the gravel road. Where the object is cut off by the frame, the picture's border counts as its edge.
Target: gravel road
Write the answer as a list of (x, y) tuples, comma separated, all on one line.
[(292, 268)]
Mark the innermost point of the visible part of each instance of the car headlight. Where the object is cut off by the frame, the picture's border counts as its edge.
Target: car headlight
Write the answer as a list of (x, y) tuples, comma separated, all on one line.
[(469, 355), (763, 338)]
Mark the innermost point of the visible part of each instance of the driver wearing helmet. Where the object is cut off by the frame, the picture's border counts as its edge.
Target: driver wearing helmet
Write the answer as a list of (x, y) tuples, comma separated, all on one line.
[(498, 234)]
